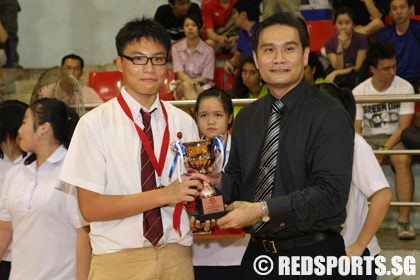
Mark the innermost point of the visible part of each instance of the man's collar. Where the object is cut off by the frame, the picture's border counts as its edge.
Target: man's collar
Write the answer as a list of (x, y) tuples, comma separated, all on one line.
[(293, 96)]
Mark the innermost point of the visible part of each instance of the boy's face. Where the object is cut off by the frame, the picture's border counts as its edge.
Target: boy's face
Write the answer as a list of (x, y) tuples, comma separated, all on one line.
[(143, 79), (180, 8)]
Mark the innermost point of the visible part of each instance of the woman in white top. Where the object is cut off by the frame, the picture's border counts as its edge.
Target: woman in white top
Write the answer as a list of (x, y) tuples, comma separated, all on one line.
[(214, 115), (11, 116), (368, 180), (38, 210)]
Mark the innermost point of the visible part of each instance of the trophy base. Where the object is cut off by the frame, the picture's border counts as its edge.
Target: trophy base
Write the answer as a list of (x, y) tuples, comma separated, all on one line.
[(205, 217), (209, 208)]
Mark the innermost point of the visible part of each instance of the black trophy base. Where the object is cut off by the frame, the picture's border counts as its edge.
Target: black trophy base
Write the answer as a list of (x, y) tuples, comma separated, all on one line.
[(217, 215), (208, 210)]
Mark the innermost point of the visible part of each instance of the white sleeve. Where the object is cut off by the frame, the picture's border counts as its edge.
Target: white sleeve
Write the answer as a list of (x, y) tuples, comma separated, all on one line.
[(85, 164), (4, 202), (359, 107), (407, 107), (72, 205), (368, 176)]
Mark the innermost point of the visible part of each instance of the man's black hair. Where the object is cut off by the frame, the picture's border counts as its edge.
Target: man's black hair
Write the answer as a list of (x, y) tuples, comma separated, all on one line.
[(379, 50), (283, 18), (73, 56), (251, 7)]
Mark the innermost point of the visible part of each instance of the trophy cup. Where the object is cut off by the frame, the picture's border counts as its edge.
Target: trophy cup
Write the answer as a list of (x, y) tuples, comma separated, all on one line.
[(199, 155)]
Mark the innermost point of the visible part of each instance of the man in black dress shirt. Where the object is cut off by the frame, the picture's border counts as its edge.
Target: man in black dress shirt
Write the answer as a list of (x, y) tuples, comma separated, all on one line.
[(307, 206)]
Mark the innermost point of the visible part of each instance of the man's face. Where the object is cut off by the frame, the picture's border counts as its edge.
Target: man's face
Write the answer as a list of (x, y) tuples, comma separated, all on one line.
[(181, 7), (142, 79), (237, 18), (280, 58), (385, 71), (399, 11), (74, 66)]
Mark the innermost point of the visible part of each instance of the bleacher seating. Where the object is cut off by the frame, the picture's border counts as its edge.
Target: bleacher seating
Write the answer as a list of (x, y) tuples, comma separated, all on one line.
[(319, 32), (230, 81), (164, 92), (107, 84)]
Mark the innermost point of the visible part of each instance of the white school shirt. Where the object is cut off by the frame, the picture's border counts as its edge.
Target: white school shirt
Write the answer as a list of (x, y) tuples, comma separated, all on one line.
[(219, 252), (5, 165), (382, 118), (367, 179), (104, 157), (45, 216)]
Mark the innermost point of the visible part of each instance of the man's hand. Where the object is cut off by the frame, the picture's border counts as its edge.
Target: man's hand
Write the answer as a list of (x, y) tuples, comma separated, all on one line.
[(242, 214), (181, 191), (229, 69)]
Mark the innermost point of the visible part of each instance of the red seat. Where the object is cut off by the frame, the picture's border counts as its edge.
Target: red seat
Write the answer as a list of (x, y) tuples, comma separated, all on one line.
[(107, 84), (319, 32), (164, 93), (230, 80), (219, 77)]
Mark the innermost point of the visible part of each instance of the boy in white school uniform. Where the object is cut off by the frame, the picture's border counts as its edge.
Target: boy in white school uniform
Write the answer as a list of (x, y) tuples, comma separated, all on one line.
[(119, 151)]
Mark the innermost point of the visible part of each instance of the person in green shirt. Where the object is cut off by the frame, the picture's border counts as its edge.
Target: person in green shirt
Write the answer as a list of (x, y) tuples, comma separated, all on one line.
[(248, 83)]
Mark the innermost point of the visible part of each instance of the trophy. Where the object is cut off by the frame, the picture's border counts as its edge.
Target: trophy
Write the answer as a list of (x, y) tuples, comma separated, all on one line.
[(199, 155)]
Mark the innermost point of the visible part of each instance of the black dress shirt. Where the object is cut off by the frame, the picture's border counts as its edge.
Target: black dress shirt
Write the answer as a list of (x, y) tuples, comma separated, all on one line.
[(314, 162)]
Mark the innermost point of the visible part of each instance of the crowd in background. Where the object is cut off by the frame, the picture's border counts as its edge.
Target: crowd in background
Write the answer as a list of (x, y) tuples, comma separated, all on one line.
[(365, 57)]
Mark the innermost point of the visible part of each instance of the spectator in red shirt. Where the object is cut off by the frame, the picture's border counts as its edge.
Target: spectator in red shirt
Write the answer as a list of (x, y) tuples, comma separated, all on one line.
[(222, 33)]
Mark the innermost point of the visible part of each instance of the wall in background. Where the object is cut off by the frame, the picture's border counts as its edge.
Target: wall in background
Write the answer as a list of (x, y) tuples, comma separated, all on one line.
[(50, 29)]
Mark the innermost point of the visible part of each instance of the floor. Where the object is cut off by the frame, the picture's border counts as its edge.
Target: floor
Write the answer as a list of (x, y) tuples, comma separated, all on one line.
[(391, 246), (388, 240)]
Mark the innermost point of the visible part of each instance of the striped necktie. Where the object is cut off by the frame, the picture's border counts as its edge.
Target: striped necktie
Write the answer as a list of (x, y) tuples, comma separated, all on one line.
[(268, 158), (152, 221)]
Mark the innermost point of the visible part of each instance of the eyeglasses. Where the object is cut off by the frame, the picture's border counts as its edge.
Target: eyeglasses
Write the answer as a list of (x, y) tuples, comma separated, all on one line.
[(143, 60)]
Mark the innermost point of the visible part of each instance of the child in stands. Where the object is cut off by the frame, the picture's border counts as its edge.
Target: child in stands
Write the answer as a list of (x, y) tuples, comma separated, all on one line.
[(368, 180), (222, 257)]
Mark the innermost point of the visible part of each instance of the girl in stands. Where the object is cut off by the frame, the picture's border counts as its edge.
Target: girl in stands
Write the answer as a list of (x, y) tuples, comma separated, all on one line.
[(38, 210), (193, 61), (346, 50), (249, 83), (214, 115)]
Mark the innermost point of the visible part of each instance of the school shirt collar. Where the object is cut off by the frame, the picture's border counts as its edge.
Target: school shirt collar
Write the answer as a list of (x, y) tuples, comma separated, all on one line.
[(135, 106), (56, 157)]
